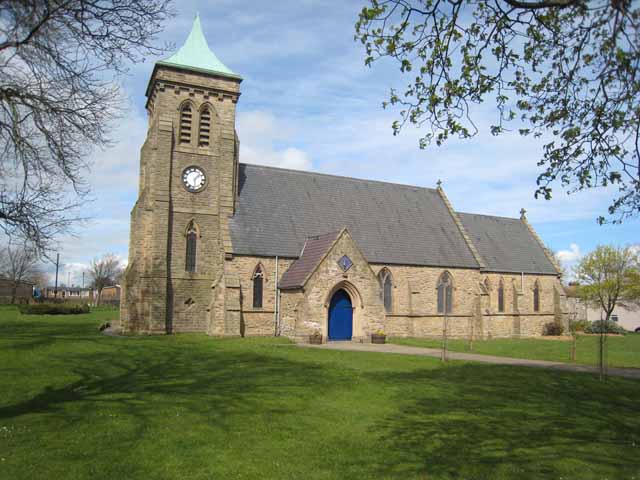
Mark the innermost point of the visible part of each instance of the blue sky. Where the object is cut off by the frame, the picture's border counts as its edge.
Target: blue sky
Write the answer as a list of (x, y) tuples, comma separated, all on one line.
[(309, 102)]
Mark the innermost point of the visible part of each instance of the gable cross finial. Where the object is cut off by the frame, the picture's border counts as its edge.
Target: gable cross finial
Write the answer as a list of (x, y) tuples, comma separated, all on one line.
[(439, 183), (523, 214)]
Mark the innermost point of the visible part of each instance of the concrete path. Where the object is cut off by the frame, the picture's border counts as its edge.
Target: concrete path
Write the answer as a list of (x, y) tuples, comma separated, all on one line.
[(473, 357)]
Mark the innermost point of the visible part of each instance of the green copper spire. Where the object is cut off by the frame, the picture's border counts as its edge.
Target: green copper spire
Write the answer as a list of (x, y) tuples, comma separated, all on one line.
[(195, 54)]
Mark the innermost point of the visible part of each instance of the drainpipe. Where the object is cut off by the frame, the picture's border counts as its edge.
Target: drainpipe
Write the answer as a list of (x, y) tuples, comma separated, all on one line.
[(522, 282), (275, 301)]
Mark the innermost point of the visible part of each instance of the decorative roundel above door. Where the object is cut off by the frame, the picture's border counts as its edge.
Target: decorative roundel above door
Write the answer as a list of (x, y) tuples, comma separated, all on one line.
[(194, 179)]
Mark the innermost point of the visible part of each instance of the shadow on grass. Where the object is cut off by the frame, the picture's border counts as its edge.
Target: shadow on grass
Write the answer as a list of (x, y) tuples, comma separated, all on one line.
[(43, 332), (227, 408), (480, 421), (140, 381)]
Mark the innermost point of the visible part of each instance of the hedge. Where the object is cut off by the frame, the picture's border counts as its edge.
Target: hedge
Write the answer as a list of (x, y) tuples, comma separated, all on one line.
[(609, 327), (53, 309)]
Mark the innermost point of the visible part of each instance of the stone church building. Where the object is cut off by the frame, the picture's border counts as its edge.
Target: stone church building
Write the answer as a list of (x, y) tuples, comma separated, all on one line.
[(233, 249)]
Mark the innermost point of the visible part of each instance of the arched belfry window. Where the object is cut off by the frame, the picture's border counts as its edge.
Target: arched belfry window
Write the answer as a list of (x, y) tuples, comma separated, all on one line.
[(258, 286), (192, 245), (204, 127), (536, 297), (386, 288), (186, 114), (445, 293), (501, 296)]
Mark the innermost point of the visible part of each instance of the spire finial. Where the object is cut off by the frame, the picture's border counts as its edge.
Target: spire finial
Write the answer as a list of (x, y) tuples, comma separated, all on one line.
[(523, 214), (439, 184)]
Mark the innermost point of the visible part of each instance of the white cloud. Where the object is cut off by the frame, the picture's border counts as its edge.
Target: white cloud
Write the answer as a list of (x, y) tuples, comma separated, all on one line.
[(573, 254), (263, 134), (308, 102), (118, 165), (568, 258)]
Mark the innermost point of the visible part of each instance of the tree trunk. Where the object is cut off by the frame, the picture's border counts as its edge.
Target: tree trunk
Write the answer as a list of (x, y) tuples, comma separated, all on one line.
[(574, 335), (14, 293), (444, 338), (602, 357)]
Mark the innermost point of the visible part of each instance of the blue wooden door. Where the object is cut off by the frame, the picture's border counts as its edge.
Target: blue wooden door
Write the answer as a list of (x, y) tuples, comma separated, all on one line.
[(340, 316)]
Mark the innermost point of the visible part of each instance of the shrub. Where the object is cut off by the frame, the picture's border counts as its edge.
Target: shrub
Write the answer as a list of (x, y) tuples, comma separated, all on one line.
[(104, 326), (53, 309), (580, 325), (553, 329), (602, 325)]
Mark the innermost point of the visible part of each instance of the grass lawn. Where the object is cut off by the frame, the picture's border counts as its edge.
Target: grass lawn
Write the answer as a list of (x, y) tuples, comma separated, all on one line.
[(623, 351), (76, 404)]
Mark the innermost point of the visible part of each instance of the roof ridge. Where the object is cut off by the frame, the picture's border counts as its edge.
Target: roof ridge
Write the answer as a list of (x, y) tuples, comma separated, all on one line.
[(485, 215), (317, 237), (307, 172)]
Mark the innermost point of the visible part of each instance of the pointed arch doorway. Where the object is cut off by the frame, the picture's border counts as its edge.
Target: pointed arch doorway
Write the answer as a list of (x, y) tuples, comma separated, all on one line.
[(340, 316)]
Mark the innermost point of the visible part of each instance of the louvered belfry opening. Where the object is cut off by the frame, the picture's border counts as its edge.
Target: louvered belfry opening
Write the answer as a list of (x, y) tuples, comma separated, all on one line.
[(205, 127), (185, 123)]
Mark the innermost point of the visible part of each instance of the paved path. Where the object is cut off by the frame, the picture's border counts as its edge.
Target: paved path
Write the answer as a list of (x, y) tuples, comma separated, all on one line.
[(474, 357)]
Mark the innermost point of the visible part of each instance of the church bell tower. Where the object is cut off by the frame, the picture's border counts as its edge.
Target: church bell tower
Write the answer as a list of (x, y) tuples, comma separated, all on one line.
[(187, 191)]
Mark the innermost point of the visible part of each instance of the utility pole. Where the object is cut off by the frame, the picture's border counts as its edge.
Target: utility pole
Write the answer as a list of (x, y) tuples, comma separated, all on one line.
[(55, 288)]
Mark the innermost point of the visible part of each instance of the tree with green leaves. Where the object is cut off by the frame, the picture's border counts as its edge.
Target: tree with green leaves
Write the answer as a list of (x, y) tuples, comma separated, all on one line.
[(563, 71), (608, 276)]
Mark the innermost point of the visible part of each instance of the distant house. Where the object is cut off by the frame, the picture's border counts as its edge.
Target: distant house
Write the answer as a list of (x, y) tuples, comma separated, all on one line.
[(68, 293), (23, 292), (111, 295), (626, 315)]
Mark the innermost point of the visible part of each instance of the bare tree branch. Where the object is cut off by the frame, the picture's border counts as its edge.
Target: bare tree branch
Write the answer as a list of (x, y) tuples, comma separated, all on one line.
[(58, 100)]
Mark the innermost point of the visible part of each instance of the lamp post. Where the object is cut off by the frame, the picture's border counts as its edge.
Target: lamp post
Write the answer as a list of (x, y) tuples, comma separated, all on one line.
[(55, 288)]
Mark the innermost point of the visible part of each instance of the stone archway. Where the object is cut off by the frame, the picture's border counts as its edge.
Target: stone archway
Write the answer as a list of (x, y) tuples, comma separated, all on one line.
[(340, 319), (356, 305)]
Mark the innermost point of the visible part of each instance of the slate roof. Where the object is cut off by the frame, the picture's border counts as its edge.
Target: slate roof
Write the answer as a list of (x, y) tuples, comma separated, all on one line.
[(506, 244), (313, 251), (279, 209)]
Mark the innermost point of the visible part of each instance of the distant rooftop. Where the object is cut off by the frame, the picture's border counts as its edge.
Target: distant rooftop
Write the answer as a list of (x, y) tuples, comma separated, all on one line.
[(196, 55)]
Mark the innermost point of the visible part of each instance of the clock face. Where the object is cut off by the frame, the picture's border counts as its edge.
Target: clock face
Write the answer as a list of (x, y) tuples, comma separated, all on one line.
[(194, 179)]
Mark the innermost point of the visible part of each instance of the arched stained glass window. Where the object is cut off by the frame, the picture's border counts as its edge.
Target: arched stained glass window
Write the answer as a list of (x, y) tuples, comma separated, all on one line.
[(192, 244), (258, 283), (445, 293), (536, 297), (386, 285), (501, 297)]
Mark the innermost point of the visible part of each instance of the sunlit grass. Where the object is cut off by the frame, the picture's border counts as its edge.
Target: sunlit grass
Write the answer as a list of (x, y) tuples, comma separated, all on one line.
[(622, 351), (77, 404)]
